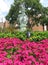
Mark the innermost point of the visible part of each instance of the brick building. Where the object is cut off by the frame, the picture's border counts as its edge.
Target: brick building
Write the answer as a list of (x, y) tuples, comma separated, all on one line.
[(6, 24), (37, 28)]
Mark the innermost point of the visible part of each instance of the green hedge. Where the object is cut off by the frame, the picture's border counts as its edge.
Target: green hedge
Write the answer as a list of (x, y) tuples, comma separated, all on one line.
[(35, 36)]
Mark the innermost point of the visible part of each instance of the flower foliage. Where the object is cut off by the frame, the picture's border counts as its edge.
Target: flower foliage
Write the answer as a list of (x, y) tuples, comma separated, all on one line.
[(14, 51)]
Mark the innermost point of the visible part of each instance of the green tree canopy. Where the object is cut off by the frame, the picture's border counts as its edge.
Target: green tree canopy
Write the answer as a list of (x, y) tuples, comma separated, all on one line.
[(33, 8), (44, 17)]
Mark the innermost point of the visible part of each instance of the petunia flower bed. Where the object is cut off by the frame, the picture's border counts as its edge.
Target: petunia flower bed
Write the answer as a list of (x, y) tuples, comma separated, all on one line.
[(14, 51)]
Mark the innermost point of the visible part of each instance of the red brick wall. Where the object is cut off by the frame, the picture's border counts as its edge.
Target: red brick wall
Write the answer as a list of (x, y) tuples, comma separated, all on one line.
[(37, 28), (6, 24)]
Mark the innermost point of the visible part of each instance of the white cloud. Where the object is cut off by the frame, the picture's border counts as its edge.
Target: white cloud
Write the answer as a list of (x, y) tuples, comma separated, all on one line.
[(41, 1), (44, 3), (4, 7)]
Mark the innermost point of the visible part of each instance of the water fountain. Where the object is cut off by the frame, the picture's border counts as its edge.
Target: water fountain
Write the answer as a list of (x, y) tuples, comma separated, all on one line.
[(22, 17)]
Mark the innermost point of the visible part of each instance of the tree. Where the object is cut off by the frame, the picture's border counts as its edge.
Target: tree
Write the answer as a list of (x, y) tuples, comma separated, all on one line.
[(44, 17), (33, 8)]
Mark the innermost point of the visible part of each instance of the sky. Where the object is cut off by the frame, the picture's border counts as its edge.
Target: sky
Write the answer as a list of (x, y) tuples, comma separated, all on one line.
[(4, 8), (6, 4), (44, 3)]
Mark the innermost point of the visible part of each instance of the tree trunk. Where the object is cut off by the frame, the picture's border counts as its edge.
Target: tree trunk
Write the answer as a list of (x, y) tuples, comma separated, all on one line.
[(43, 27), (47, 27)]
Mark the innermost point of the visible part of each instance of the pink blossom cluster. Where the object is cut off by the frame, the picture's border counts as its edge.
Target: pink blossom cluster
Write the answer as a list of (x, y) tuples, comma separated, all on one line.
[(14, 51)]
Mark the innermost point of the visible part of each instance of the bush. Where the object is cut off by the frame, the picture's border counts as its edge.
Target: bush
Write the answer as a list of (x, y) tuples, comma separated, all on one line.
[(35, 36)]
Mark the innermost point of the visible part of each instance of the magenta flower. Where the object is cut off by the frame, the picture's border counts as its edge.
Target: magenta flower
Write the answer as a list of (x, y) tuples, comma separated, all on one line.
[(14, 51)]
